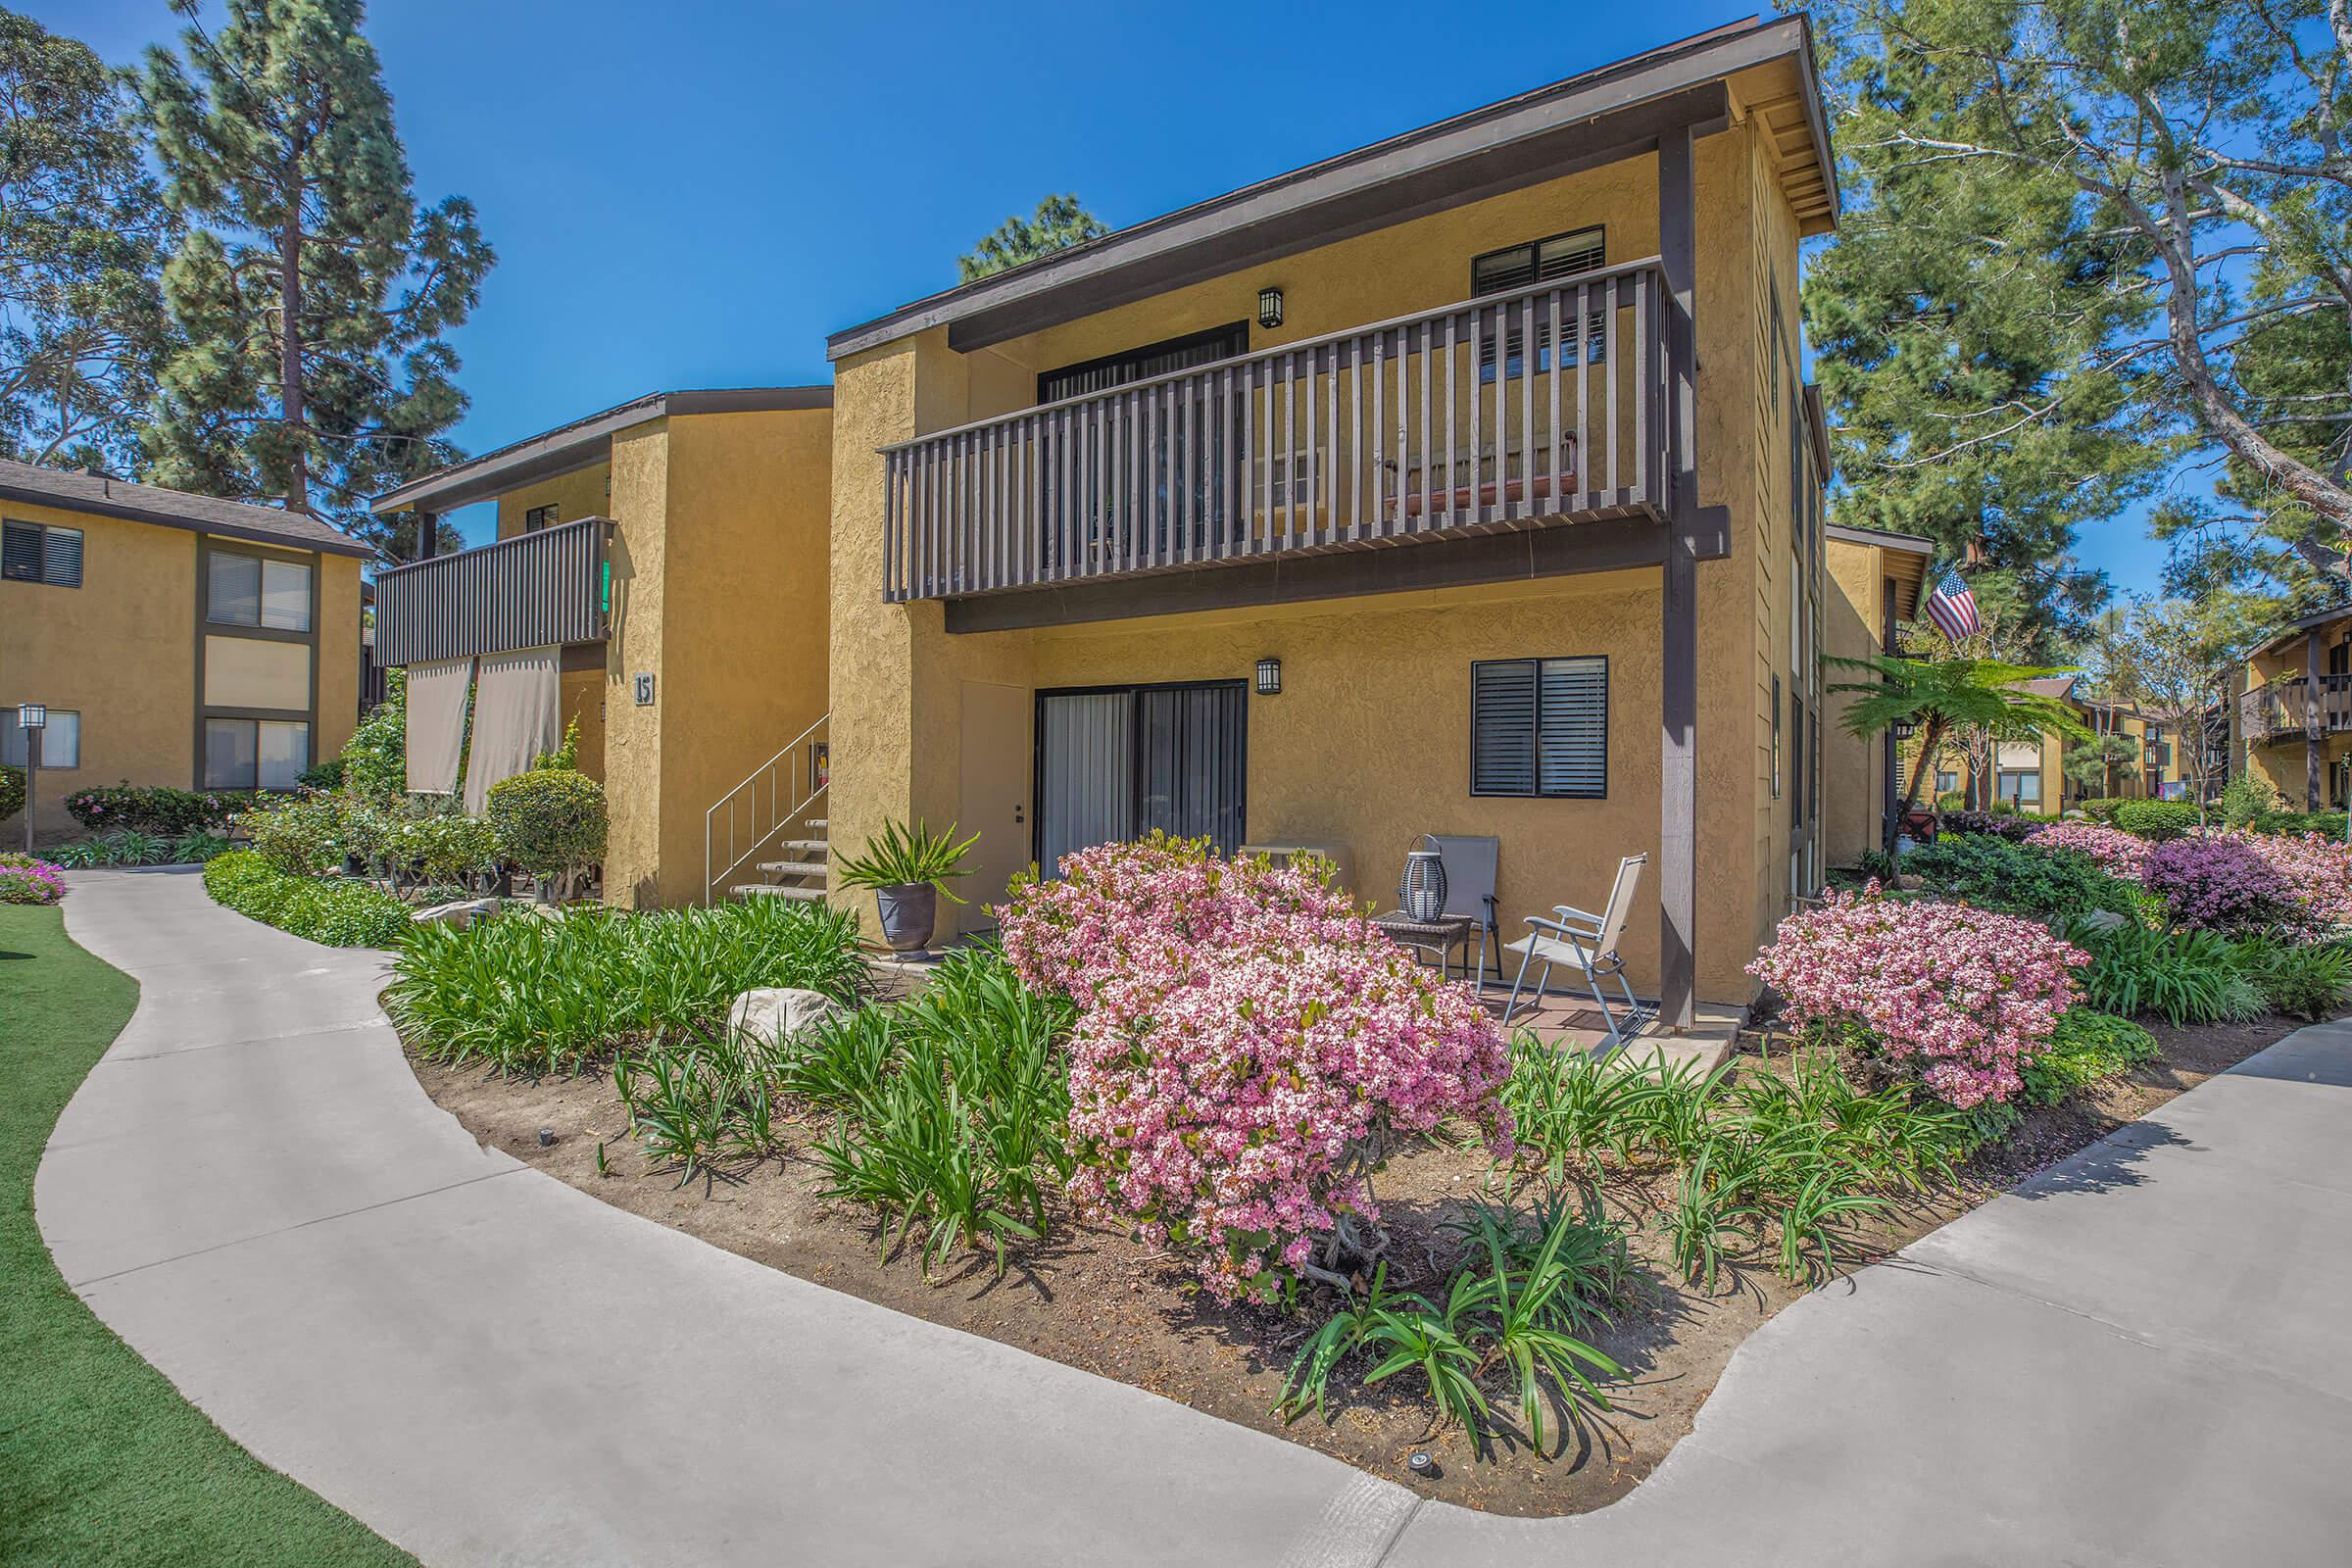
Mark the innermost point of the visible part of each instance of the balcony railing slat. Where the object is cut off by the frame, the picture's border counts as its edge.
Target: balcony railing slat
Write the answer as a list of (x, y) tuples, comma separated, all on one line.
[(1238, 458), (533, 590)]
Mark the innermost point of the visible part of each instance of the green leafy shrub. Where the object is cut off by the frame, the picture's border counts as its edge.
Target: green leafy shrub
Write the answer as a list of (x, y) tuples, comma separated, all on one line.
[(551, 822), (2100, 808), (445, 846), (2248, 797), (327, 775), (2328, 824), (300, 835), (195, 849), (163, 813), (2086, 1047), (12, 792), (1992, 873), (2156, 819), (2185, 976), (528, 995), (2311, 983), (376, 759), (24, 879), (123, 847), (338, 913)]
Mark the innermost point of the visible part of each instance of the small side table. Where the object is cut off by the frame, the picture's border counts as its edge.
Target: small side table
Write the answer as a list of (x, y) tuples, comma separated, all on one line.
[(1440, 936)]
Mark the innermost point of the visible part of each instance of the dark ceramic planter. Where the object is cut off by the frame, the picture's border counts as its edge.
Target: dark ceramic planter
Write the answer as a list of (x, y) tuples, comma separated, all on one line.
[(910, 914)]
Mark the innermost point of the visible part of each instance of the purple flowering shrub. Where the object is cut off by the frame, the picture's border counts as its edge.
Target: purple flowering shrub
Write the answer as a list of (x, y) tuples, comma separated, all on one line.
[(2216, 882), (2118, 852), (26, 880), (1960, 997), (1245, 1044), (2317, 872)]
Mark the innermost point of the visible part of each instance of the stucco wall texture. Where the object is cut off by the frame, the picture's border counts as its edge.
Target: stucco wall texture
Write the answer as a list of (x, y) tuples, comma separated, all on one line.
[(1369, 741)]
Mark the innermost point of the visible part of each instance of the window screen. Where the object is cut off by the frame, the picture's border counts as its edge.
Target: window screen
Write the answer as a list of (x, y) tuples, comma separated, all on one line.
[(1540, 726), (60, 740), (32, 553), (286, 595), (249, 591)]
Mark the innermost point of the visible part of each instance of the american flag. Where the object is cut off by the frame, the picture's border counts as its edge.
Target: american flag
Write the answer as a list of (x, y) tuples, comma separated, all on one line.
[(1954, 609)]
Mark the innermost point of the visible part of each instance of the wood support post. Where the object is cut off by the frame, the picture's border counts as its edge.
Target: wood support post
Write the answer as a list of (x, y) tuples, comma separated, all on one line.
[(2315, 734), (1677, 630)]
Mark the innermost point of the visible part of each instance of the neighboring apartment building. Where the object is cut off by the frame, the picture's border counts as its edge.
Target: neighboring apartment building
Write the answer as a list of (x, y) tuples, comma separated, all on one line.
[(2031, 774), (176, 640), (2294, 711), (1458, 484), (658, 576), (1876, 583)]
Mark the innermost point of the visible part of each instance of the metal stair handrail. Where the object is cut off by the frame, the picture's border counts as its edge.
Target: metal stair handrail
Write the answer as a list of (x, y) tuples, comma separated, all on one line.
[(748, 793)]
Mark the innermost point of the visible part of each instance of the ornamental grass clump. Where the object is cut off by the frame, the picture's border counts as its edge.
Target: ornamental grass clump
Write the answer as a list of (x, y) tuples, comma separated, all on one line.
[(2118, 852), (1959, 997), (1246, 1047), (2215, 882)]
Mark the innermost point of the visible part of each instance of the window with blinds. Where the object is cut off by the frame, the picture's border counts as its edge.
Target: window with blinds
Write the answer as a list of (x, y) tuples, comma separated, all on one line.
[(1540, 726), (535, 518), (1539, 262), (31, 552), (1164, 357)]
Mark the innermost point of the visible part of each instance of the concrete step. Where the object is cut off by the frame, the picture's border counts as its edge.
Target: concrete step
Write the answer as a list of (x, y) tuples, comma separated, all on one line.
[(794, 868), (818, 823), (804, 846), (774, 889)]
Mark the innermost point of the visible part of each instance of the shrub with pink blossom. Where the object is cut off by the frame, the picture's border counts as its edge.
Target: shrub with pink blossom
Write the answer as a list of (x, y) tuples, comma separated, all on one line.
[(1961, 997), (2118, 852), (26, 880), (2317, 872), (2216, 882), (1246, 1044)]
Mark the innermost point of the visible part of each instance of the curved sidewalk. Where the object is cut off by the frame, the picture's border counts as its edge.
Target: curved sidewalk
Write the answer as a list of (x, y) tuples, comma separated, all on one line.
[(2139, 1358)]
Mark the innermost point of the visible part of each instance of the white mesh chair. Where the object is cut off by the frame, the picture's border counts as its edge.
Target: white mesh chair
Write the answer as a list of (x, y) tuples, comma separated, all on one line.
[(1587, 940)]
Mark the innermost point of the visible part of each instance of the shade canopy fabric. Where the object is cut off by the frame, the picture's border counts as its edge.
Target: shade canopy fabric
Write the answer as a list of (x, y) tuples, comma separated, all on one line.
[(517, 718), (436, 737)]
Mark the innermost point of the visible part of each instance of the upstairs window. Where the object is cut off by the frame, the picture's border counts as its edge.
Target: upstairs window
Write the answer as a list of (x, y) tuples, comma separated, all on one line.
[(538, 517), (32, 552), (1540, 726), (1539, 261), (251, 591)]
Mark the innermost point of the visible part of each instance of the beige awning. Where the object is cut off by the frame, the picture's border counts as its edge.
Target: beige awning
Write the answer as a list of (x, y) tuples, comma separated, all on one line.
[(437, 723), (516, 718)]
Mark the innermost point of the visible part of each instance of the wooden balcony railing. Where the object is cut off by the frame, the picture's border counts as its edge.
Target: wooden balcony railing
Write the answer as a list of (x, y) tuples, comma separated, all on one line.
[(1543, 405), (534, 590), (2276, 710)]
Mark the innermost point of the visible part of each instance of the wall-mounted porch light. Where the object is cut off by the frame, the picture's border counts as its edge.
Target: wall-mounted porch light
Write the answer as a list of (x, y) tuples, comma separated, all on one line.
[(1900, 729), (1269, 307), (1269, 677)]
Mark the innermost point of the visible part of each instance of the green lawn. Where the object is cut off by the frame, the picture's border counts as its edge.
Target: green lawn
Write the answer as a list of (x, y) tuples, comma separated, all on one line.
[(101, 1462)]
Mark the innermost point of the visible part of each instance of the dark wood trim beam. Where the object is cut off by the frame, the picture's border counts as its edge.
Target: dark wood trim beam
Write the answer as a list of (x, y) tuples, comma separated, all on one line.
[(1620, 544), (1678, 628)]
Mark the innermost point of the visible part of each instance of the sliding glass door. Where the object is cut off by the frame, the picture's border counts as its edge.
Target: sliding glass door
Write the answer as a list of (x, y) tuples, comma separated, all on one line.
[(1117, 762)]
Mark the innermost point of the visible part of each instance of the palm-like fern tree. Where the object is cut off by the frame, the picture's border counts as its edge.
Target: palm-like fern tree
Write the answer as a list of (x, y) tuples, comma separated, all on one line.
[(1937, 697)]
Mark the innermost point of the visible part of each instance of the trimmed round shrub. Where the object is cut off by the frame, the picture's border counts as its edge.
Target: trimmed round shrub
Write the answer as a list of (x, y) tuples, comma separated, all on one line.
[(12, 792), (550, 820), (26, 880), (2217, 883), (2157, 821)]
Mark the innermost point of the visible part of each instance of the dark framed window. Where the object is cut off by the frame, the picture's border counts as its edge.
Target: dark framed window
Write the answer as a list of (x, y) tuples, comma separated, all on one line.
[(1115, 763), (1142, 364), (1538, 261), (537, 518), (1540, 726), (60, 740), (258, 591), (244, 754), (33, 552), (1776, 737)]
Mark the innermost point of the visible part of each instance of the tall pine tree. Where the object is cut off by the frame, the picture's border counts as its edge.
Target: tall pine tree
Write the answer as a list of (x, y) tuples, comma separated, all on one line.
[(313, 294)]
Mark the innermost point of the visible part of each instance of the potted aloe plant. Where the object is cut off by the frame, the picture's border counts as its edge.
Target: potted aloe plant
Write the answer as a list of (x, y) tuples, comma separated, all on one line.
[(908, 868)]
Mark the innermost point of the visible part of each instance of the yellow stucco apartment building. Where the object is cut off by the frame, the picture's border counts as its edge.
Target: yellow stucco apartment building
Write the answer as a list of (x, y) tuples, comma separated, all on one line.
[(1465, 483), (175, 639), (2293, 711), (2031, 774)]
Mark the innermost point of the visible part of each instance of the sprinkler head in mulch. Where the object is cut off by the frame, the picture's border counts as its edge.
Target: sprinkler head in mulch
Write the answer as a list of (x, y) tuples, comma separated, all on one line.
[(1423, 1464), (547, 1138)]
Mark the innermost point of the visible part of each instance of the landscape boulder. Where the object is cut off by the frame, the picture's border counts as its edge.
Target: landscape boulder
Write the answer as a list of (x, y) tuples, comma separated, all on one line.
[(461, 914), (777, 1012)]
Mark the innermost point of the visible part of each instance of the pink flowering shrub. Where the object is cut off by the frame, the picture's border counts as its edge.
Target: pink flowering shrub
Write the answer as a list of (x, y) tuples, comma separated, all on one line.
[(2119, 853), (2217, 881), (26, 880), (2317, 872), (1245, 1044), (1959, 995)]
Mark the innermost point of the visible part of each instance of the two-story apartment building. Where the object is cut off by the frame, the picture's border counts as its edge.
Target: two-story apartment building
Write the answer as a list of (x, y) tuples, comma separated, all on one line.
[(1459, 484), (2145, 760), (659, 577), (1874, 587), (176, 640), (2293, 710)]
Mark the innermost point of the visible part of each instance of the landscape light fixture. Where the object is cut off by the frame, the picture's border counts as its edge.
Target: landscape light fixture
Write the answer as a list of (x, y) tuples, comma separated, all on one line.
[(1900, 729), (1270, 307), (1269, 677), (32, 718)]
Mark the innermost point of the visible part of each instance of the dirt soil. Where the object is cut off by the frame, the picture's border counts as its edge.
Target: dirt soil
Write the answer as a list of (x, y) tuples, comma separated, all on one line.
[(1096, 1300)]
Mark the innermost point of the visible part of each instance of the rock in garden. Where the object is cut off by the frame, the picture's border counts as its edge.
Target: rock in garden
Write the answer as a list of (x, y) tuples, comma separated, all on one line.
[(461, 914), (775, 1012), (2103, 920)]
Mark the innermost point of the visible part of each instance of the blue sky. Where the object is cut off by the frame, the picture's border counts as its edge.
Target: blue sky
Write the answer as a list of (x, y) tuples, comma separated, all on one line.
[(693, 193)]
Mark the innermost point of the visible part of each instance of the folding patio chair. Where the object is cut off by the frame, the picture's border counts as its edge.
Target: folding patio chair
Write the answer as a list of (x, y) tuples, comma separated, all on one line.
[(1469, 864), (1587, 940)]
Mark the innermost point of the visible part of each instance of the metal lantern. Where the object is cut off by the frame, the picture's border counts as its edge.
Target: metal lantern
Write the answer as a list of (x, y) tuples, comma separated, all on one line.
[(1270, 307), (1902, 729), (1269, 677), (1421, 890)]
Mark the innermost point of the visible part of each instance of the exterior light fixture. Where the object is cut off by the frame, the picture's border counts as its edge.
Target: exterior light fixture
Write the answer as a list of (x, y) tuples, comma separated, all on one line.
[(1269, 677), (1269, 307), (1423, 1464), (32, 718), (1900, 729)]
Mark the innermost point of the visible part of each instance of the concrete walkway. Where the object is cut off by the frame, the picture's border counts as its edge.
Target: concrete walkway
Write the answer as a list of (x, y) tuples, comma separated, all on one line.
[(2140, 1359)]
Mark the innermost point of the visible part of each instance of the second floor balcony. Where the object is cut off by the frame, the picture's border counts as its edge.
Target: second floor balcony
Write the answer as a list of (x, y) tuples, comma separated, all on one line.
[(2291, 708), (1541, 405), (534, 590)]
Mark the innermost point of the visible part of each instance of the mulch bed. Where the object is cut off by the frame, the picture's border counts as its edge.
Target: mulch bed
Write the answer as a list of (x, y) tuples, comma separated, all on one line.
[(1093, 1299)]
